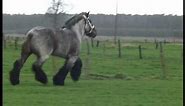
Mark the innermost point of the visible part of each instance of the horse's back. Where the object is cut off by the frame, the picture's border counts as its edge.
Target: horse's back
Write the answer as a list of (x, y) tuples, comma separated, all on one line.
[(41, 40)]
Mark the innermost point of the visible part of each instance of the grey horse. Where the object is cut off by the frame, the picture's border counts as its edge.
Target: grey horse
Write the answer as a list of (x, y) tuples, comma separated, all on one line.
[(62, 42)]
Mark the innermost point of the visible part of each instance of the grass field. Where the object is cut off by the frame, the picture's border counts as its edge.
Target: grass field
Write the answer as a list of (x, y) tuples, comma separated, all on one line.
[(125, 81)]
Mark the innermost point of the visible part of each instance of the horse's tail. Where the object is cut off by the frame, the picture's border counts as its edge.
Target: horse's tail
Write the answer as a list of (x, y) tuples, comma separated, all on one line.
[(76, 70), (18, 64), (26, 47)]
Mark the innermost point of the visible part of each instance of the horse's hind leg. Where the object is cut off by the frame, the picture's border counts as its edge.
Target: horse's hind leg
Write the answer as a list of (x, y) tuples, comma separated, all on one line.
[(15, 72), (37, 69), (18, 64)]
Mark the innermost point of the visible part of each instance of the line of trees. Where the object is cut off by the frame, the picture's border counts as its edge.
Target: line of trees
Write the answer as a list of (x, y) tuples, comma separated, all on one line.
[(128, 25)]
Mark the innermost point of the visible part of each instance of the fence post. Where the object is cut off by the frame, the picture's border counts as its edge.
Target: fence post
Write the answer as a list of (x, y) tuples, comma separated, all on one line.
[(104, 47), (156, 45), (92, 42), (163, 66), (119, 48), (165, 41), (97, 44), (16, 43), (140, 53), (4, 41)]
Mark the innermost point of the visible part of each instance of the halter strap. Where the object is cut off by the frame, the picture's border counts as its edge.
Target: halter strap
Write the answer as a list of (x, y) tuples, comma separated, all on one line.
[(92, 26), (85, 17), (90, 30)]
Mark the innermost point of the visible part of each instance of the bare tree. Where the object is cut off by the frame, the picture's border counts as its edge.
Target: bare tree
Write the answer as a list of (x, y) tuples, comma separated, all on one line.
[(53, 12), (57, 8)]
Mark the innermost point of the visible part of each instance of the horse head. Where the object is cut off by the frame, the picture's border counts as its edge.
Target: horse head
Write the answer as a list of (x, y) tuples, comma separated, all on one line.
[(90, 29)]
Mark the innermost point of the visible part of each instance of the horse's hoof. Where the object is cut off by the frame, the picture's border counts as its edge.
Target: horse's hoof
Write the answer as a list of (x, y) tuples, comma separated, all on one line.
[(57, 81), (44, 81), (14, 80), (41, 78), (40, 75)]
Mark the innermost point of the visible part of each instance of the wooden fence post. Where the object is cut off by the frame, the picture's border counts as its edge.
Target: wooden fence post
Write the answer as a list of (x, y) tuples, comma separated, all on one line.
[(92, 42), (16, 43), (104, 48), (140, 52), (119, 48), (156, 45), (97, 44), (4, 41), (165, 41), (163, 66)]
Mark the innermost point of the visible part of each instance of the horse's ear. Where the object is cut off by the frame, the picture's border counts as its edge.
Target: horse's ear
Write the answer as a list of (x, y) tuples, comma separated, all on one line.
[(87, 14)]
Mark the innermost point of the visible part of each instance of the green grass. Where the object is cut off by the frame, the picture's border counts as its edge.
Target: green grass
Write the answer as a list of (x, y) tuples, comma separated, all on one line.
[(145, 87), (95, 93)]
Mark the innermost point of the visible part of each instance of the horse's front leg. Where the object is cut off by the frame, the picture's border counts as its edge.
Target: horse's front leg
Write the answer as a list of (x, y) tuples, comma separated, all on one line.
[(76, 70), (59, 78)]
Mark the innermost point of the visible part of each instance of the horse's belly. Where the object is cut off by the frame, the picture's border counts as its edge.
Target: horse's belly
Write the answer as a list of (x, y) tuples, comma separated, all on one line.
[(59, 55), (60, 52)]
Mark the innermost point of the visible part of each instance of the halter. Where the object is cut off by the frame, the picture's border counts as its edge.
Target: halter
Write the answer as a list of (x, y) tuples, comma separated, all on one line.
[(91, 26)]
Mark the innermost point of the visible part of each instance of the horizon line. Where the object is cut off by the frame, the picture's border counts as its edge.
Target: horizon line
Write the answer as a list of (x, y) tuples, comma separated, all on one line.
[(95, 14)]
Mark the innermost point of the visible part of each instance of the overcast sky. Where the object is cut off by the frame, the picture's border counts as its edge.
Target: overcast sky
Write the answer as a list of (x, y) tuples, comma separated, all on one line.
[(141, 7)]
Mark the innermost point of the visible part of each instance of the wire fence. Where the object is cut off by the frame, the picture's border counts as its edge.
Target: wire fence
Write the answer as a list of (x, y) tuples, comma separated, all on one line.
[(104, 47)]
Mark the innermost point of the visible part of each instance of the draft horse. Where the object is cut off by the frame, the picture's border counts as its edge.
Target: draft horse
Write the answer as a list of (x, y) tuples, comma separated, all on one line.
[(63, 42)]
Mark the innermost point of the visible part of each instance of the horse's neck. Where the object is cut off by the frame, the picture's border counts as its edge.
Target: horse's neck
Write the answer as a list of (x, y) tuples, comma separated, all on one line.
[(78, 28)]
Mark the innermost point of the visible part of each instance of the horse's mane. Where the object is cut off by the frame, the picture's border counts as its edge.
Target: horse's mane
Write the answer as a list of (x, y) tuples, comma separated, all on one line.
[(69, 23)]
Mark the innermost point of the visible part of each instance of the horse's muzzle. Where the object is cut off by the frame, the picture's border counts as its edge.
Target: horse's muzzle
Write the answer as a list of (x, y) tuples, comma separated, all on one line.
[(92, 34)]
